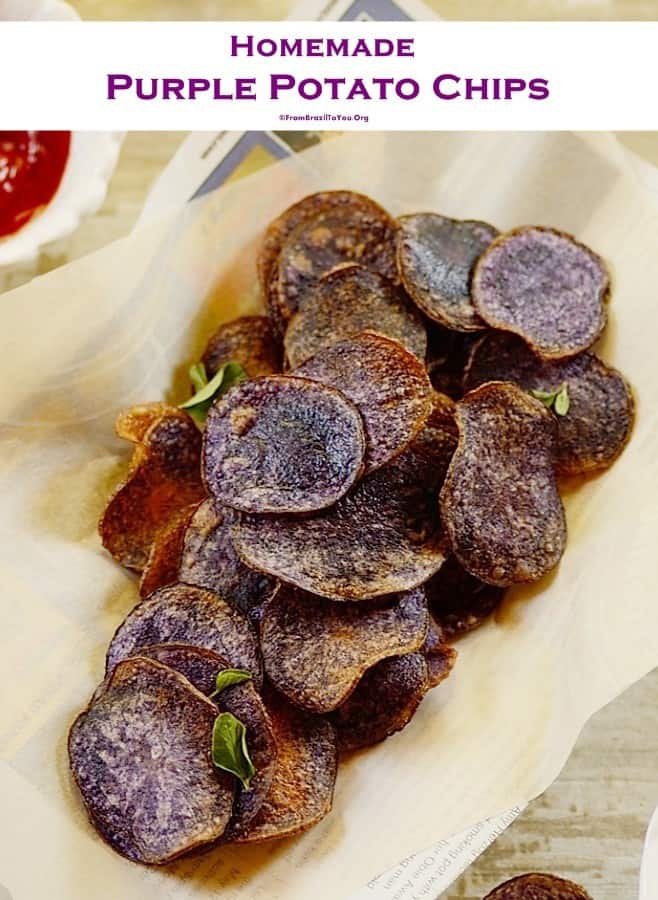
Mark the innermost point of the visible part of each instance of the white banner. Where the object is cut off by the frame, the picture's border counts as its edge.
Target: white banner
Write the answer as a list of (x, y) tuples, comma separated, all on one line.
[(329, 75)]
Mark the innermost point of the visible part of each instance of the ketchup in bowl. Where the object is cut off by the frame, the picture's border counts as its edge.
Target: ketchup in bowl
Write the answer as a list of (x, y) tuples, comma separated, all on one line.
[(31, 167)]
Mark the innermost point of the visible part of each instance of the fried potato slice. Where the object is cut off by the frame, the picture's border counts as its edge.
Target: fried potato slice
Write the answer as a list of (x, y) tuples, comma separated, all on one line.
[(387, 384), (183, 614), (305, 773), (537, 886), (304, 210), (447, 356), (544, 286), (316, 650), (383, 537), (439, 656), (250, 341), (164, 479), (598, 423), (164, 557), (209, 559), (500, 504), (363, 234), (200, 667), (282, 444), (150, 813), (347, 301), (384, 701), (459, 602), (435, 257)]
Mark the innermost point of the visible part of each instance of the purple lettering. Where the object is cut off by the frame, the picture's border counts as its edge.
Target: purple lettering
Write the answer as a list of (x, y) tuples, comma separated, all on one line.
[(117, 83)]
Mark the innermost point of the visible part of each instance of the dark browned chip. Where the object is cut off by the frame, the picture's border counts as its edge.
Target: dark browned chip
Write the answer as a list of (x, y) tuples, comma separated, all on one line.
[(209, 560), (544, 286), (430, 452), (387, 384), (447, 356), (436, 256), (200, 667), (598, 423), (140, 755), (304, 776), (316, 650), (249, 341), (363, 234), (164, 557), (303, 211), (439, 656), (346, 302), (182, 614), (244, 702), (536, 886), (382, 538), (163, 480), (281, 444), (500, 504), (384, 701), (459, 601)]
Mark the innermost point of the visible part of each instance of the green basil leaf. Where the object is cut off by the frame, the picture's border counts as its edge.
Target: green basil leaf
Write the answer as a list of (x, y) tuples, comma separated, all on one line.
[(562, 401), (207, 391), (546, 397), (229, 748), (227, 677), (198, 376)]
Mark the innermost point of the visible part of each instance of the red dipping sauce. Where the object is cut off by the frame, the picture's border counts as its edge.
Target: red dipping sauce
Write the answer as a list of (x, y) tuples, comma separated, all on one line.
[(31, 167)]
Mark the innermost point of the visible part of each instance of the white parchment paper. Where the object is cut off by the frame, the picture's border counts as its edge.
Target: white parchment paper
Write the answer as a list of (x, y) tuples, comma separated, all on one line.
[(121, 326)]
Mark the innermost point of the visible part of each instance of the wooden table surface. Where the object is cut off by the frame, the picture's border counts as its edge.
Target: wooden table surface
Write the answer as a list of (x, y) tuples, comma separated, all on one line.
[(589, 825)]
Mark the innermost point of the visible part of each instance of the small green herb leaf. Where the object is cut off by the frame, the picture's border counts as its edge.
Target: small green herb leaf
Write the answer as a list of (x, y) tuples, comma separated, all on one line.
[(206, 391), (229, 748), (557, 400), (227, 677), (562, 401)]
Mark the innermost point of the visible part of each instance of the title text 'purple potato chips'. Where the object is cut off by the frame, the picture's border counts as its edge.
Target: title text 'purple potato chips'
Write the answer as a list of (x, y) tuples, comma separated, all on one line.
[(500, 504), (282, 444)]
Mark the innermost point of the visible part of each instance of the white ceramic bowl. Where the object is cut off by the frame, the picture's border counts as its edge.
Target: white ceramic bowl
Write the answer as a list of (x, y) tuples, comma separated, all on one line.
[(92, 160)]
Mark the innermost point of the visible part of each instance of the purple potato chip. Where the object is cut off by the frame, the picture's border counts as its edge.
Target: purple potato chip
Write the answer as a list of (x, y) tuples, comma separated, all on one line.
[(460, 602), (384, 701), (436, 256), (316, 650), (362, 234), (140, 756), (500, 504), (598, 423), (346, 302), (304, 776), (209, 560), (537, 886), (304, 210), (183, 614), (249, 341), (201, 668), (282, 444), (383, 537), (544, 286), (386, 383)]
